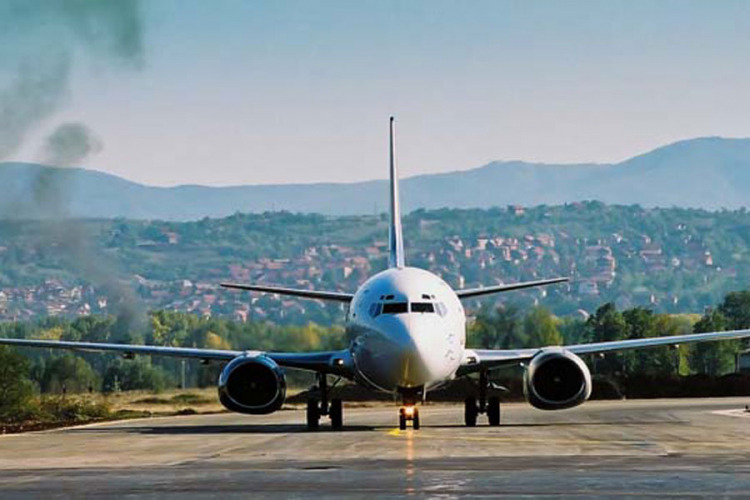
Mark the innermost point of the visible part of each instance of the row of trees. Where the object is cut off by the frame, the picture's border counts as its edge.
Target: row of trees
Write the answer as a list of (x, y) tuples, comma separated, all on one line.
[(24, 372), (508, 328)]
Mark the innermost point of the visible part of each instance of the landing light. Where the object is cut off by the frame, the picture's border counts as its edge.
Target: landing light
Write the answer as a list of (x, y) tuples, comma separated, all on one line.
[(409, 411)]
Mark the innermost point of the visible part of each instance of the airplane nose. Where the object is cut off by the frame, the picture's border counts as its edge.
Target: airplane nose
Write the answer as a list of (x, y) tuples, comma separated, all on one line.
[(425, 352)]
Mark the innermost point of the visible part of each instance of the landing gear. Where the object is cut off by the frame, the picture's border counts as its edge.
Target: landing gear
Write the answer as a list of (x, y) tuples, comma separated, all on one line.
[(409, 411), (320, 407), (313, 414), (408, 414), (336, 412), (493, 411), (490, 406), (470, 412)]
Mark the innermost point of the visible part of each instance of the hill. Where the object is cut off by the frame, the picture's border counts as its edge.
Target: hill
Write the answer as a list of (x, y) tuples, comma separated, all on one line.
[(708, 173), (673, 260)]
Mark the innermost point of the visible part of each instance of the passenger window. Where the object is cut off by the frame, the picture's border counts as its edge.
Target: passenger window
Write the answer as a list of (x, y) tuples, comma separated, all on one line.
[(422, 307), (395, 308)]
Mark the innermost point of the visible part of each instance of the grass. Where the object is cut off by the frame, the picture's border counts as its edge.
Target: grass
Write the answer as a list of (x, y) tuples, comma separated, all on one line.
[(168, 402), (187, 398)]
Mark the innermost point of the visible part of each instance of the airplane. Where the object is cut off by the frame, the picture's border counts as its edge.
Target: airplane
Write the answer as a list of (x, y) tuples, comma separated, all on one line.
[(408, 331)]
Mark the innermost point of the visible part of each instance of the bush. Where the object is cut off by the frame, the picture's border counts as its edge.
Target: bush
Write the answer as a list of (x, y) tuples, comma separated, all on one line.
[(136, 375), (71, 409), (68, 374), (16, 390)]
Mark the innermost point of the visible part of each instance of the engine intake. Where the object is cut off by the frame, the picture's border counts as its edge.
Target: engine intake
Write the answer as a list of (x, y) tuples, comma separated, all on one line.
[(253, 385), (557, 379)]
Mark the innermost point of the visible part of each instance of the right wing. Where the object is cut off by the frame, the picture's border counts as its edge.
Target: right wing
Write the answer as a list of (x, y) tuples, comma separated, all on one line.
[(480, 359), (308, 294)]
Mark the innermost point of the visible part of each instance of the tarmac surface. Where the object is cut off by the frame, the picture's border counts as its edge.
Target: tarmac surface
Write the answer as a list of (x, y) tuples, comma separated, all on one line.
[(627, 449)]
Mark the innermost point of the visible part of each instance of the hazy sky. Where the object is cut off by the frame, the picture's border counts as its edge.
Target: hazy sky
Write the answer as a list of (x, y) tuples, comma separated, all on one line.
[(276, 92)]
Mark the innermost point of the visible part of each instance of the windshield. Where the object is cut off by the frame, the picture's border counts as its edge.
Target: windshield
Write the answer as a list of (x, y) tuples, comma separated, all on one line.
[(395, 308), (422, 307)]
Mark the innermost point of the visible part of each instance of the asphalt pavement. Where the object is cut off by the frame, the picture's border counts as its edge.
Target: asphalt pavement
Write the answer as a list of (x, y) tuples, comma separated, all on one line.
[(623, 449)]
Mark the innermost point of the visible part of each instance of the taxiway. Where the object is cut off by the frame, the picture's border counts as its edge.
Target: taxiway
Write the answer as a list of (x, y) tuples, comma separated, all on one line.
[(685, 448)]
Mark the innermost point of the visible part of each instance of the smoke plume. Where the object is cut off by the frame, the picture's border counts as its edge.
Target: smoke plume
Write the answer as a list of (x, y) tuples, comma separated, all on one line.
[(42, 38), (41, 41)]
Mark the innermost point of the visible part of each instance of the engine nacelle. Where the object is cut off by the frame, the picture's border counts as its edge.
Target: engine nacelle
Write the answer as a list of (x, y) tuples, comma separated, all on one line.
[(254, 385), (556, 379)]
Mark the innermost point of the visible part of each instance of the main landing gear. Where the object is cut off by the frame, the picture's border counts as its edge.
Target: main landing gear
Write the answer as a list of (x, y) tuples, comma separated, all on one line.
[(321, 407), (409, 412), (490, 406)]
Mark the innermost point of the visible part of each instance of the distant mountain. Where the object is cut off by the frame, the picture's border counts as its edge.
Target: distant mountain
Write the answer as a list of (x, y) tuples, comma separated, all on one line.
[(703, 173)]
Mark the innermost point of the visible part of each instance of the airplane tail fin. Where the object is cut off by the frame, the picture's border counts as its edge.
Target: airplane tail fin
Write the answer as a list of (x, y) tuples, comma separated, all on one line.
[(396, 239)]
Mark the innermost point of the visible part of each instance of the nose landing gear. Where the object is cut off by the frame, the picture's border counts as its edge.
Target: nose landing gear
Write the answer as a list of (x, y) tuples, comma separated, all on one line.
[(409, 411), (406, 414)]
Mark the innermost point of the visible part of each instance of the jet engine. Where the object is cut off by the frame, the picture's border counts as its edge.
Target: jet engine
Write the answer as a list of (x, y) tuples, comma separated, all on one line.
[(556, 379), (254, 385)]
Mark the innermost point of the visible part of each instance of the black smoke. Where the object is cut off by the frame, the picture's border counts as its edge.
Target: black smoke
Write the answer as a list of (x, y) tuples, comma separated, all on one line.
[(41, 42)]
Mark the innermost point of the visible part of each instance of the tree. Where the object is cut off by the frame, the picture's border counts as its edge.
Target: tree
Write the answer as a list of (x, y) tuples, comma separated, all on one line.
[(501, 328), (713, 358), (608, 324), (540, 328), (138, 374), (736, 309), (16, 389), (68, 373)]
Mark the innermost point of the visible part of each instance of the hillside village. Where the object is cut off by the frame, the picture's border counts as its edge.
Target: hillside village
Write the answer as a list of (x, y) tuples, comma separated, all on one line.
[(663, 270)]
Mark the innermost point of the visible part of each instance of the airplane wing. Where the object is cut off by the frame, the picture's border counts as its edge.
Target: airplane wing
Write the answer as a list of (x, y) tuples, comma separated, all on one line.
[(480, 359), (474, 292), (308, 294), (347, 297), (333, 362)]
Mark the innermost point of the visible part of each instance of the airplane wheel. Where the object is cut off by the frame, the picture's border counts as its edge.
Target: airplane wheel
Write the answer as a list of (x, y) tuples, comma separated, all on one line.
[(337, 414), (493, 411), (470, 412), (401, 420), (415, 420), (313, 414)]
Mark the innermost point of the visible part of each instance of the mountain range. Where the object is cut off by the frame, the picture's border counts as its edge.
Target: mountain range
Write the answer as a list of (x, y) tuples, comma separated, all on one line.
[(710, 173)]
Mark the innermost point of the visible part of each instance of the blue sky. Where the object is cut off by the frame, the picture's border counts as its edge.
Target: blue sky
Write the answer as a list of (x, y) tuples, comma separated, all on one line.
[(277, 92)]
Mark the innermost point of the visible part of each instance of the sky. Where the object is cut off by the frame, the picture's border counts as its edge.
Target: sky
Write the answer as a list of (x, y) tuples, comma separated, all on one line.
[(250, 92)]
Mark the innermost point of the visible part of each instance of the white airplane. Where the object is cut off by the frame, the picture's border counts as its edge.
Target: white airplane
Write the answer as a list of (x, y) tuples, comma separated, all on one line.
[(409, 336)]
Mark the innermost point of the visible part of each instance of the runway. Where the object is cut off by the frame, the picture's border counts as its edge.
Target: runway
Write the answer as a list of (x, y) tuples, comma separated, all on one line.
[(685, 448)]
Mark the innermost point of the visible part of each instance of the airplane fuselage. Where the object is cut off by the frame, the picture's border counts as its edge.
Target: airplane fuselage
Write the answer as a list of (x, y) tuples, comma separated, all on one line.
[(408, 330)]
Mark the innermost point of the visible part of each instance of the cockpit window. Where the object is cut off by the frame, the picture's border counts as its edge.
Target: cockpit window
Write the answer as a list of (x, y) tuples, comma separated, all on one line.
[(395, 308), (442, 309), (375, 310), (422, 307)]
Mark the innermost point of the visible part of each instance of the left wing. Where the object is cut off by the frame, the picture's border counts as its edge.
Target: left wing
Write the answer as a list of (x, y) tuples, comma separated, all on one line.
[(479, 359), (474, 292), (333, 362)]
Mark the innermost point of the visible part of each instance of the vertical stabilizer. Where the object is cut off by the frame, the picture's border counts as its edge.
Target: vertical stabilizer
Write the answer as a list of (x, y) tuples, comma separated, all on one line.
[(396, 239)]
